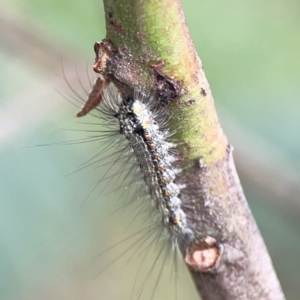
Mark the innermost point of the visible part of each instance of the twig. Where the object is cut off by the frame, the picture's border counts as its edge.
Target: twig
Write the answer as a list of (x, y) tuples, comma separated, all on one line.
[(148, 43)]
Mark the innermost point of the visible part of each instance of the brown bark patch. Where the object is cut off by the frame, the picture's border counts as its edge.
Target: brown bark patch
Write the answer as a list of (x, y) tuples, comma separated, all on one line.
[(203, 255), (167, 88)]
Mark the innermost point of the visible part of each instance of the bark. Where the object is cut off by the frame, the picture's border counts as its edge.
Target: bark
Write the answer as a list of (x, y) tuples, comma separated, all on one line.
[(148, 45)]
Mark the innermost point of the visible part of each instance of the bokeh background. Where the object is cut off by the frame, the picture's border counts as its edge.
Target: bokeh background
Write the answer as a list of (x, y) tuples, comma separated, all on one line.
[(50, 238)]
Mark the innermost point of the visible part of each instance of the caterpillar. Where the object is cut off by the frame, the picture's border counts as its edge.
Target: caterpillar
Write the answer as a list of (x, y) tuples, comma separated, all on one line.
[(143, 125), (134, 132)]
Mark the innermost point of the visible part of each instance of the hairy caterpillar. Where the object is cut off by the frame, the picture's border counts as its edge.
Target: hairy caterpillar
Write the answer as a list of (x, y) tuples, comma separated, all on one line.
[(143, 126), (134, 133)]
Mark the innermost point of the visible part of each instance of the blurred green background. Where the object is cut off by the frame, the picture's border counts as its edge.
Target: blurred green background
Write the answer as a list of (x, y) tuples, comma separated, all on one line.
[(49, 236)]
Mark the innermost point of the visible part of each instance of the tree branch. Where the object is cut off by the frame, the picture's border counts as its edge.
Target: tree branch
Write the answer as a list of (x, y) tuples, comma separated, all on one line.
[(148, 45)]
